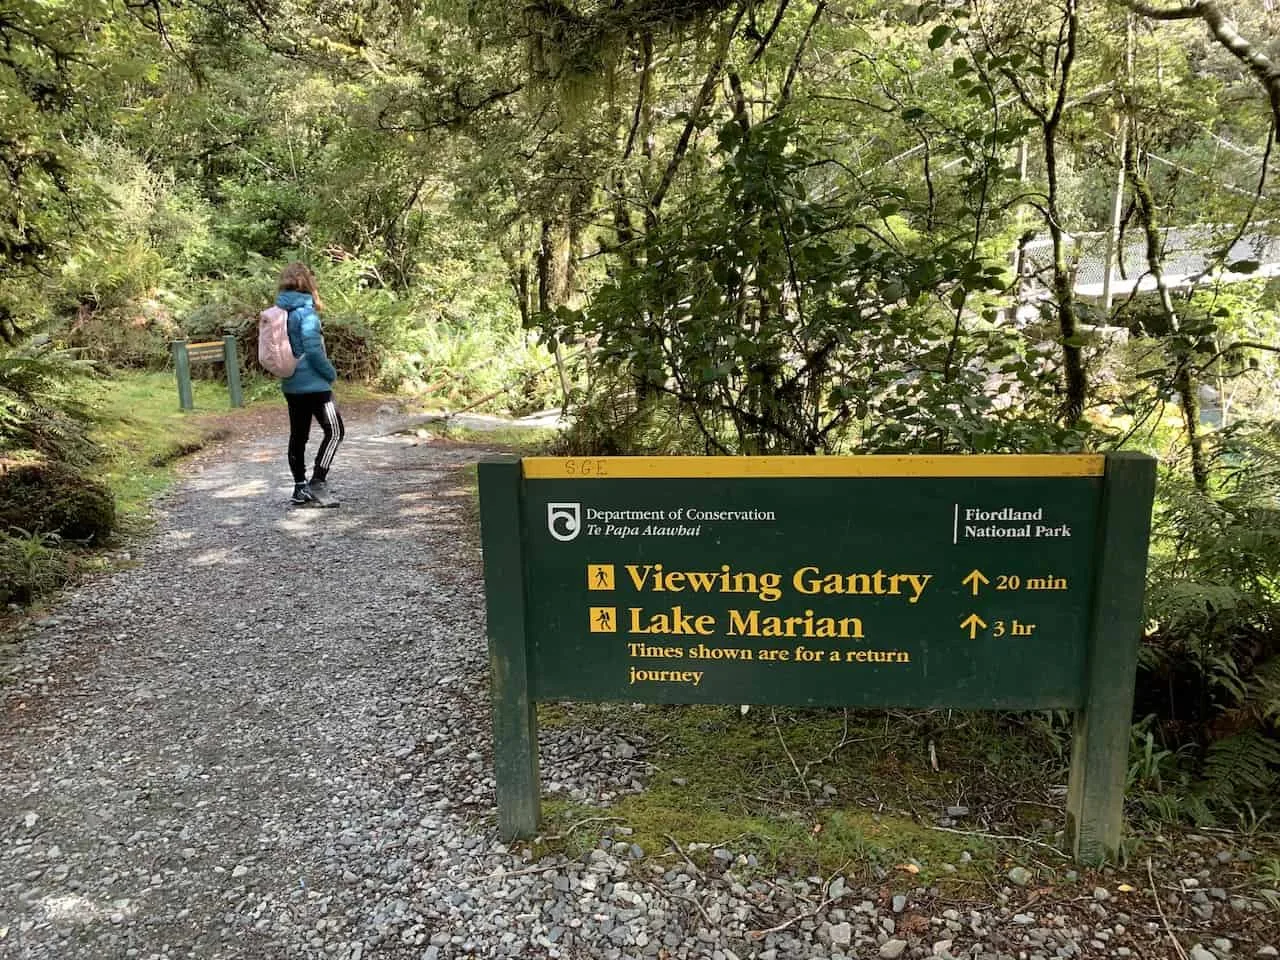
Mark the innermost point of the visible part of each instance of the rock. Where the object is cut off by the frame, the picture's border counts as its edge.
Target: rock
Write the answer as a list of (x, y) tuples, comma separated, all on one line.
[(1023, 919), (957, 812), (1020, 876), (1198, 952), (942, 948), (899, 903), (841, 934), (1268, 951), (892, 949), (1101, 894)]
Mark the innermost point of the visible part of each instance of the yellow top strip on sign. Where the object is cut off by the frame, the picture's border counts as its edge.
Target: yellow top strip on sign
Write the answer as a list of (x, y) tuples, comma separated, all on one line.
[(1001, 465)]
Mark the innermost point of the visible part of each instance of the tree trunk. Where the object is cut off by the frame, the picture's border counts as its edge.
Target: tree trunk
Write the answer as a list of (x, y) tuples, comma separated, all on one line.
[(1183, 381), (1076, 383)]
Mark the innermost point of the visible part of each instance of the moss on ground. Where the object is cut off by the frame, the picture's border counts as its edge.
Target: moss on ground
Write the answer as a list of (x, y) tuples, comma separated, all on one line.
[(819, 792)]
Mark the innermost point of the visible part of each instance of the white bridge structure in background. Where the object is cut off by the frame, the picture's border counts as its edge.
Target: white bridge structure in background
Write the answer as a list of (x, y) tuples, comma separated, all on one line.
[(1190, 258), (1187, 256)]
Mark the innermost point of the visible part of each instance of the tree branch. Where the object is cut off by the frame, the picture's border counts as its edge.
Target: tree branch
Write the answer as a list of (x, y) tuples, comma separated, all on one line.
[(1224, 31), (646, 43), (695, 112), (785, 97), (768, 34)]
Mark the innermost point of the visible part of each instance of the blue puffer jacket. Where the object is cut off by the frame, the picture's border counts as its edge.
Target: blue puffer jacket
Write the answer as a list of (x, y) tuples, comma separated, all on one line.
[(314, 373)]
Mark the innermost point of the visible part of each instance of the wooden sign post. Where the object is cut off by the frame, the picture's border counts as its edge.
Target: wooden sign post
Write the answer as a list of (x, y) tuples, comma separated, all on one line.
[(217, 351), (976, 582)]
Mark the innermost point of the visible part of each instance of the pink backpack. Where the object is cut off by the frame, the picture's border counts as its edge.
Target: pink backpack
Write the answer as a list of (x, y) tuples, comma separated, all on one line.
[(274, 352)]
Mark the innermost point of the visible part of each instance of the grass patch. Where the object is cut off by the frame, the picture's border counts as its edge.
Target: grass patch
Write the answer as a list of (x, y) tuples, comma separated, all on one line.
[(822, 792), (143, 432)]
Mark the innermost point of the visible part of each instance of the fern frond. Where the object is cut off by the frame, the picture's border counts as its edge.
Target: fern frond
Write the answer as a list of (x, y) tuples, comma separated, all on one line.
[(1264, 690), (1245, 762)]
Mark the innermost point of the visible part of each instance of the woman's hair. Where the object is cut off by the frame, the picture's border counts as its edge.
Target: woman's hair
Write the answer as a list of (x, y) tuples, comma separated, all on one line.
[(298, 276)]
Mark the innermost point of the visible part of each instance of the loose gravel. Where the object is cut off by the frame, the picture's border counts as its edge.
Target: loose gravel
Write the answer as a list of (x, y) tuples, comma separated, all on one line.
[(267, 737)]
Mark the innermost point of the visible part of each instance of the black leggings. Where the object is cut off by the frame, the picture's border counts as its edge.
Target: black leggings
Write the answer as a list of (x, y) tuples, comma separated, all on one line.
[(303, 407)]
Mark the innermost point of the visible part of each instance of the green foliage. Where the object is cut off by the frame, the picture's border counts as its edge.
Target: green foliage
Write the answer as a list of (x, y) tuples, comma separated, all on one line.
[(1269, 871), (30, 567), (1149, 765), (607, 421), (1243, 765), (780, 323), (452, 365), (42, 408), (1212, 596), (1210, 664)]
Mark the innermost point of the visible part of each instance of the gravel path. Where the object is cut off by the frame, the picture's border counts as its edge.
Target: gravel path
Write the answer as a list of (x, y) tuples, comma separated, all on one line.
[(268, 738)]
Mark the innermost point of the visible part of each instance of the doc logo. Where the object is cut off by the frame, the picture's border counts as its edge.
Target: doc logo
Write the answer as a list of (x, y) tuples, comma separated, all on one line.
[(564, 520)]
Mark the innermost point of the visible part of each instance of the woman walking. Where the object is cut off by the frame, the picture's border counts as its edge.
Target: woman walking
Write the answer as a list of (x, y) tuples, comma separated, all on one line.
[(309, 392)]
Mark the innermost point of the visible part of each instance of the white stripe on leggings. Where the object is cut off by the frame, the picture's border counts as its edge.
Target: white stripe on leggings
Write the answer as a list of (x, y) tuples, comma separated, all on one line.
[(335, 435)]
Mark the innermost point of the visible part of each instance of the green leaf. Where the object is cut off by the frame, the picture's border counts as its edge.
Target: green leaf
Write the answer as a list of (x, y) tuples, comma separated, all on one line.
[(941, 33)]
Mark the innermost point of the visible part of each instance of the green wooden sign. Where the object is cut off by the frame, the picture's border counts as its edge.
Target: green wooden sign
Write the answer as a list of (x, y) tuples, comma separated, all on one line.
[(974, 582), (212, 351)]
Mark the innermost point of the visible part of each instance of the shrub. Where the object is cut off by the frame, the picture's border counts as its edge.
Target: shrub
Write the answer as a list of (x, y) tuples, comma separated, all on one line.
[(607, 421), (133, 337), (30, 566), (1210, 666), (41, 409), (58, 500)]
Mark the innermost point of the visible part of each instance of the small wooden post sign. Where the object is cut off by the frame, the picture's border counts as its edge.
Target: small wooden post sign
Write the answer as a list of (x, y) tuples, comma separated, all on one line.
[(214, 351), (998, 582)]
